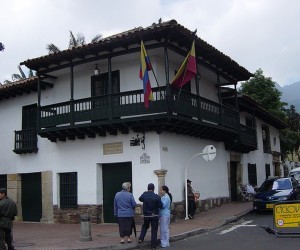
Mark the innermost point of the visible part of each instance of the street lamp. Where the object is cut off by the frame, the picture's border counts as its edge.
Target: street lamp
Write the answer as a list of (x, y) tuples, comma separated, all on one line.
[(208, 154)]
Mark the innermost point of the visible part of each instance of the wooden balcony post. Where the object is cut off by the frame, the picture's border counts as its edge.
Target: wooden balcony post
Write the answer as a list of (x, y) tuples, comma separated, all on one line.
[(167, 72), (110, 108), (220, 99), (198, 94), (72, 96), (38, 116)]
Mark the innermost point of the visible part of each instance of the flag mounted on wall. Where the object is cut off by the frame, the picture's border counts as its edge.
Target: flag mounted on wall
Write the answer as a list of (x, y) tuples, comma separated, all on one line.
[(187, 70), (144, 68)]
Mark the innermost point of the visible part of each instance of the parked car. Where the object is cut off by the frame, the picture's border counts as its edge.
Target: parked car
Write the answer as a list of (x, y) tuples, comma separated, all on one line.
[(295, 173), (276, 189)]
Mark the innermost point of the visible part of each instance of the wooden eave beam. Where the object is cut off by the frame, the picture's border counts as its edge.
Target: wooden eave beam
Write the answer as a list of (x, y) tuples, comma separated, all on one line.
[(96, 58)]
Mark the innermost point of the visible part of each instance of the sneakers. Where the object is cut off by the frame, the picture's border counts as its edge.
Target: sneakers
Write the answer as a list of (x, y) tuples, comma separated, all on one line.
[(191, 217)]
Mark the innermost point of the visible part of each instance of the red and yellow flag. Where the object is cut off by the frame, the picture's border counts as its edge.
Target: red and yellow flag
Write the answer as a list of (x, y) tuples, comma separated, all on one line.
[(144, 68), (187, 70)]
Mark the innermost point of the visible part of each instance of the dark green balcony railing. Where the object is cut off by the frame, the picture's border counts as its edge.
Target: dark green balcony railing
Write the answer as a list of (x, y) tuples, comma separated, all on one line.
[(248, 135), (26, 141), (131, 103)]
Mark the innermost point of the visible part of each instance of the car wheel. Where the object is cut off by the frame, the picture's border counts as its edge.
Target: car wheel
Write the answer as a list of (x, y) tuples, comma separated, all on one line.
[(298, 197)]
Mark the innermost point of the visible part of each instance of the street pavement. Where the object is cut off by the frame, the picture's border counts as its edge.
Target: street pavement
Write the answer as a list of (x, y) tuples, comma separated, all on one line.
[(44, 236)]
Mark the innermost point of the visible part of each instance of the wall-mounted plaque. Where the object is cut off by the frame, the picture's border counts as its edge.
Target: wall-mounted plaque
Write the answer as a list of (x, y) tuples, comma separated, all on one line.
[(144, 159), (113, 148)]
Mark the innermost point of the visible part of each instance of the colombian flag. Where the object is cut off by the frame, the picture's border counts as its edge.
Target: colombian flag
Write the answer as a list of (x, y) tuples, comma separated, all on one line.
[(145, 67), (187, 70)]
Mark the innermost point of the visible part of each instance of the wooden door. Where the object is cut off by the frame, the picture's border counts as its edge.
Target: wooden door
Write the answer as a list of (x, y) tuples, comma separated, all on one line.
[(113, 176)]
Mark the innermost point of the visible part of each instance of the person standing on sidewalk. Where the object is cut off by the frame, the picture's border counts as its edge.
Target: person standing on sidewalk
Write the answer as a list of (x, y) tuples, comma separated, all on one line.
[(8, 211), (151, 205), (124, 205), (164, 216), (191, 200)]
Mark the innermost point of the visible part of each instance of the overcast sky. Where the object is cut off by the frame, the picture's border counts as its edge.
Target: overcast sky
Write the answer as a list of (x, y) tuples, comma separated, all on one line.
[(255, 33)]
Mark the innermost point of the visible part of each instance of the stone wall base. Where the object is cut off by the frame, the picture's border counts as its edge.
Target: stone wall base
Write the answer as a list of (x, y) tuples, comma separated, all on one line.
[(72, 215), (202, 206)]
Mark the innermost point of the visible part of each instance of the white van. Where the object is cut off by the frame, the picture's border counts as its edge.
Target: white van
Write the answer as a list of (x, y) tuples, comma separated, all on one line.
[(295, 173)]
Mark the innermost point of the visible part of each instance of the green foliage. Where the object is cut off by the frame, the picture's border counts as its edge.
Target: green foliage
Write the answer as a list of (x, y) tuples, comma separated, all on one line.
[(52, 48), (96, 38), (2, 47), (17, 77), (74, 42), (263, 90), (290, 137)]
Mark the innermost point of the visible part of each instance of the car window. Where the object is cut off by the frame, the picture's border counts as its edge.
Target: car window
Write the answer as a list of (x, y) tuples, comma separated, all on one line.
[(296, 175), (282, 184), (266, 186)]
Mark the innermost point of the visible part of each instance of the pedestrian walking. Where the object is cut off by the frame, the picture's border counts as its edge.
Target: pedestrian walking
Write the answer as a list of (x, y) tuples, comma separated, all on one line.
[(124, 205), (191, 200), (8, 211), (164, 216), (151, 205)]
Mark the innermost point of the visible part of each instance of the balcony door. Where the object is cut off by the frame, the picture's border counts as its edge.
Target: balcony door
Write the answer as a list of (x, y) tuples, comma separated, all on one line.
[(27, 138), (29, 117), (100, 93)]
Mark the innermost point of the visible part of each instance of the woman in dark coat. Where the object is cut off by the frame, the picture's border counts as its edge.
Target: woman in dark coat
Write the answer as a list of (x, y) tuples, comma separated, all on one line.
[(124, 205)]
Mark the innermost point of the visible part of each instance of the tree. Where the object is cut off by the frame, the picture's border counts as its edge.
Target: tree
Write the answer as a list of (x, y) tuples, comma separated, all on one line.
[(74, 42), (290, 137), (263, 90), (17, 77), (2, 47)]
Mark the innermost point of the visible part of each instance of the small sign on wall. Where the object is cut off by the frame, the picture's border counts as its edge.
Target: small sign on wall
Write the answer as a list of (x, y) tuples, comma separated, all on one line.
[(113, 148), (145, 159)]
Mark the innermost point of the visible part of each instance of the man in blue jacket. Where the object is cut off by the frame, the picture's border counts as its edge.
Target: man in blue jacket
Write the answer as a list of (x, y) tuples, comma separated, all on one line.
[(151, 205)]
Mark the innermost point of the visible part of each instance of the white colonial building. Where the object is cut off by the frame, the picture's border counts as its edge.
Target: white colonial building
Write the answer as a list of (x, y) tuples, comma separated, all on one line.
[(70, 137)]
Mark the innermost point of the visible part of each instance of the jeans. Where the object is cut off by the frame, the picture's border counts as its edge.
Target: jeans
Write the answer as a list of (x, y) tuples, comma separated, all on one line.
[(5, 237), (191, 207), (164, 231), (153, 220)]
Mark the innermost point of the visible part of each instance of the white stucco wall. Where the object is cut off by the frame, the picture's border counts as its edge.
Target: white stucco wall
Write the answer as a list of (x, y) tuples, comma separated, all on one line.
[(258, 157), (208, 178)]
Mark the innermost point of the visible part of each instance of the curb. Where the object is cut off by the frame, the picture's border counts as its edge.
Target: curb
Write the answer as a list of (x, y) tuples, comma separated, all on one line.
[(237, 217), (172, 238)]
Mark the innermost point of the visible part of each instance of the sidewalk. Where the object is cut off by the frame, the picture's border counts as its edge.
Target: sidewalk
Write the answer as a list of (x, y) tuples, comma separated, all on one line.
[(33, 236)]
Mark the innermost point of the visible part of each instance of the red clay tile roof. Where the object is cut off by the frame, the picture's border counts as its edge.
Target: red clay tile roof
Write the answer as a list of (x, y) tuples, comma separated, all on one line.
[(22, 86), (171, 30)]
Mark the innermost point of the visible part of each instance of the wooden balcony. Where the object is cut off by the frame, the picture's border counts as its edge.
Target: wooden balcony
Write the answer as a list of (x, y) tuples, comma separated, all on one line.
[(171, 110), (245, 142), (25, 141)]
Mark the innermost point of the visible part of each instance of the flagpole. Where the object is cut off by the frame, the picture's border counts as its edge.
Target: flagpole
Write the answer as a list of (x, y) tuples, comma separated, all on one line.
[(179, 93), (155, 77), (186, 67)]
